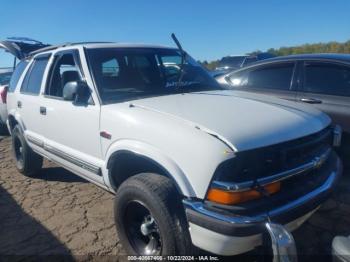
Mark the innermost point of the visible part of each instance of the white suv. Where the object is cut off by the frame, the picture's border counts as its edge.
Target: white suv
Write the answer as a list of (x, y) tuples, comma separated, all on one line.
[(191, 165)]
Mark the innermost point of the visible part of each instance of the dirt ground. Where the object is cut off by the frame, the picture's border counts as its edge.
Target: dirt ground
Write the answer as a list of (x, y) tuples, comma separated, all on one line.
[(58, 213), (55, 213)]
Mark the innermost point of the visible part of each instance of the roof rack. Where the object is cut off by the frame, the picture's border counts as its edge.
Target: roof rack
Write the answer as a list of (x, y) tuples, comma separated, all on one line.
[(54, 47)]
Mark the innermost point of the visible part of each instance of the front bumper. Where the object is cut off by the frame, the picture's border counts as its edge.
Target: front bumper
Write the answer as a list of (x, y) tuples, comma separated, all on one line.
[(224, 234)]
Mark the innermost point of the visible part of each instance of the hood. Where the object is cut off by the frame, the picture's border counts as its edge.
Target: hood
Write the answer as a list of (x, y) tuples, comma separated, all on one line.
[(243, 121)]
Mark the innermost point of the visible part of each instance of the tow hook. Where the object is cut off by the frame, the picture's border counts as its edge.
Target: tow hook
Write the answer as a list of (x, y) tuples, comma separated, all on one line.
[(337, 136), (282, 243)]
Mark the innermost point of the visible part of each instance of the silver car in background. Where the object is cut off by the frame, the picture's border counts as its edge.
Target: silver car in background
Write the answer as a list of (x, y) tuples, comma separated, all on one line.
[(5, 76)]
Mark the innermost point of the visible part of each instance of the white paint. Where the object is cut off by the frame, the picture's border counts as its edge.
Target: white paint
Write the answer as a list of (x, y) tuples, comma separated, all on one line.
[(229, 245), (188, 134)]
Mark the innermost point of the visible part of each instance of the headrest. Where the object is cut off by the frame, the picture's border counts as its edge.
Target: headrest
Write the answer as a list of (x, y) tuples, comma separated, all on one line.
[(68, 76)]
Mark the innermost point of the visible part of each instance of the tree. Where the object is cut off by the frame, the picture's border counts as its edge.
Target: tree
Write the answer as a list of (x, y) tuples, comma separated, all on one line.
[(330, 47)]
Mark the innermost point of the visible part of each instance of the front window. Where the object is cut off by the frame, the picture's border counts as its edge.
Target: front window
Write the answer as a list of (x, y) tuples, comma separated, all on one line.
[(123, 74), (250, 60), (64, 70), (274, 76)]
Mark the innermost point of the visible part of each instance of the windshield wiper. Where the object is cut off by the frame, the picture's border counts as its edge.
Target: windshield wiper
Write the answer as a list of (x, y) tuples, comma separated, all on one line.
[(183, 60)]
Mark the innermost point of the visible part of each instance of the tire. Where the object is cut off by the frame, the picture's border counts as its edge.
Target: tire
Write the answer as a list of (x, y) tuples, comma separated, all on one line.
[(3, 130), (27, 161), (161, 231), (344, 150)]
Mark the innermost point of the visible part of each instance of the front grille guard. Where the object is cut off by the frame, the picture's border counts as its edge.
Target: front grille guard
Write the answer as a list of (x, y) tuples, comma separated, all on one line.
[(282, 243)]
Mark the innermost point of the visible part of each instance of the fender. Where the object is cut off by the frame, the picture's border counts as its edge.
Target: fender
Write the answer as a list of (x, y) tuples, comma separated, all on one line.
[(152, 153)]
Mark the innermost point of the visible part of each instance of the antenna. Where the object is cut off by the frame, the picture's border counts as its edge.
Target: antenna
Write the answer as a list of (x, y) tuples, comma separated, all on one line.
[(173, 36), (183, 59)]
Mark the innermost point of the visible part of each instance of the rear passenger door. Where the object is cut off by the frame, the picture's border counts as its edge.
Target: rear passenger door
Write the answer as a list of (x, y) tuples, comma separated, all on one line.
[(275, 79), (326, 86), (28, 100)]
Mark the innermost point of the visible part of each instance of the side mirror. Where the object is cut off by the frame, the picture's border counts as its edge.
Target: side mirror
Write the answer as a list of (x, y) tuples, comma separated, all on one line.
[(75, 90)]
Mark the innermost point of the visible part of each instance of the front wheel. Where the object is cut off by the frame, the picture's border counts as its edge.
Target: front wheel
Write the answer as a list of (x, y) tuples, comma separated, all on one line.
[(150, 218)]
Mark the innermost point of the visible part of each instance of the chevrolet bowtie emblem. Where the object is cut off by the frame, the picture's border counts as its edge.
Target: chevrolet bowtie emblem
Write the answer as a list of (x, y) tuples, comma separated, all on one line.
[(318, 161)]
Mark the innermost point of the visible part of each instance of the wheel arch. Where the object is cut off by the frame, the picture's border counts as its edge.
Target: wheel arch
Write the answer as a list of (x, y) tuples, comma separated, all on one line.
[(13, 120), (129, 158)]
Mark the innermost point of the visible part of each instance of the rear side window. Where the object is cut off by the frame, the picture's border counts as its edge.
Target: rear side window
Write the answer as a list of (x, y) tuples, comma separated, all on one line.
[(276, 76), (16, 75), (32, 81), (327, 78)]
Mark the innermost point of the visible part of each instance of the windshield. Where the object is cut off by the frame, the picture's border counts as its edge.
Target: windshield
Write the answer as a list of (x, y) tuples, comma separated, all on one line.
[(5, 78), (232, 61), (123, 74)]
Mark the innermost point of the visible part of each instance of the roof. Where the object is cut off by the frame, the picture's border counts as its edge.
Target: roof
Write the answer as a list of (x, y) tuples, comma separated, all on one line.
[(100, 45), (124, 45), (321, 56), (236, 56)]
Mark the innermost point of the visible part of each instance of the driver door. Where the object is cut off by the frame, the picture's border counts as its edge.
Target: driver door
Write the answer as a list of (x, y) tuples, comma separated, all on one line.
[(71, 129)]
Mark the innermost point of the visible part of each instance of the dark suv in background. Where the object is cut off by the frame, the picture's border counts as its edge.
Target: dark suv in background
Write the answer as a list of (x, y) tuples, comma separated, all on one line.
[(235, 62), (321, 80), (229, 63)]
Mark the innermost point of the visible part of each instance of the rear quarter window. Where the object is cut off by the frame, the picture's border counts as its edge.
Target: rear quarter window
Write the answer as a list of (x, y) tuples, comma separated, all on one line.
[(16, 75)]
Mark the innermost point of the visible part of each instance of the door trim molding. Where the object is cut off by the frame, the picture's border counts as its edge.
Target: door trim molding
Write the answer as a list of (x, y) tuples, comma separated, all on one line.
[(67, 157)]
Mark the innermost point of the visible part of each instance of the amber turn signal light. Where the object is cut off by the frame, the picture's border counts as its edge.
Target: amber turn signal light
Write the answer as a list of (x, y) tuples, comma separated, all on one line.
[(230, 198)]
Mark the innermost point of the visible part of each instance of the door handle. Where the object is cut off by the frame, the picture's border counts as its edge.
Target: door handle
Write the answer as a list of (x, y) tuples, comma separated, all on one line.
[(311, 100), (43, 110), (19, 104)]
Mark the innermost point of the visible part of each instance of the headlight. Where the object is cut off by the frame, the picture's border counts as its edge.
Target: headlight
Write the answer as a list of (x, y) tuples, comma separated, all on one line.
[(250, 165), (267, 161), (231, 197)]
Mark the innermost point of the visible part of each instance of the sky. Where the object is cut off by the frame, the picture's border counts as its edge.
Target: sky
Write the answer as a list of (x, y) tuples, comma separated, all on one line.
[(207, 29)]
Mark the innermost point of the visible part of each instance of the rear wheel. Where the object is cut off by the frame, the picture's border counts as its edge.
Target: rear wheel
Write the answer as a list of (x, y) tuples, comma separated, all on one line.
[(150, 218), (27, 161), (344, 150), (3, 130)]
